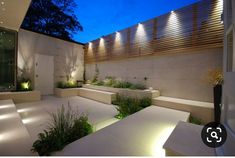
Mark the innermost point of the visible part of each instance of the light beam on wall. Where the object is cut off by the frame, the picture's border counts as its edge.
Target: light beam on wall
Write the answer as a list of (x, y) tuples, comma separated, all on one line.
[(90, 45), (118, 39), (140, 33), (173, 26)]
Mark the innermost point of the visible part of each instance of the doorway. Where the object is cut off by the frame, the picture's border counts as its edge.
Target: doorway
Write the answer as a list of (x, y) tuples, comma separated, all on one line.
[(44, 74)]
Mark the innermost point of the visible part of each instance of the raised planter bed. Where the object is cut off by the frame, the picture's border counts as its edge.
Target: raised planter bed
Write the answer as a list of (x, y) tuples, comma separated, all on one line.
[(101, 96), (67, 92), (126, 92), (21, 97)]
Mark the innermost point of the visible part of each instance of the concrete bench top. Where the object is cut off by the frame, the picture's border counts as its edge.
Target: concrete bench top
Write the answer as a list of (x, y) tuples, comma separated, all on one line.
[(98, 91), (14, 137), (186, 140), (186, 102), (140, 134), (19, 92)]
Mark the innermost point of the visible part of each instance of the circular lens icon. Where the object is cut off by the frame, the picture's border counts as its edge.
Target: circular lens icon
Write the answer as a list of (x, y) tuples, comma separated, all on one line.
[(214, 134)]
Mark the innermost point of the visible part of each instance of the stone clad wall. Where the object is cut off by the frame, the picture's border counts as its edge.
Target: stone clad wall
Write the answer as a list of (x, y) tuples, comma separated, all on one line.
[(176, 75), (68, 56)]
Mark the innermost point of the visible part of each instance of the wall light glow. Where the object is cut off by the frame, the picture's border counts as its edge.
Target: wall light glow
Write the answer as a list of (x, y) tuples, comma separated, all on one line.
[(6, 106), (117, 39), (90, 45), (101, 44), (157, 147), (7, 116), (140, 33), (173, 26), (30, 120), (9, 135)]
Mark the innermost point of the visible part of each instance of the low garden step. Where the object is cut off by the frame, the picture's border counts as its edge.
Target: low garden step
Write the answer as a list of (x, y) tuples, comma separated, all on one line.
[(135, 93), (186, 140), (14, 137), (21, 97), (101, 96), (201, 110)]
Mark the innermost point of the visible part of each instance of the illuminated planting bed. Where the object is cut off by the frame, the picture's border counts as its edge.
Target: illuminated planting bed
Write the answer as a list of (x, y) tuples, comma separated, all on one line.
[(125, 91), (36, 116), (141, 134)]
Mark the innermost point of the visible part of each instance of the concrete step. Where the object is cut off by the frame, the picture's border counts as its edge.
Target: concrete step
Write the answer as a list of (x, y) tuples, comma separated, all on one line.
[(201, 110), (14, 137), (101, 96), (186, 140)]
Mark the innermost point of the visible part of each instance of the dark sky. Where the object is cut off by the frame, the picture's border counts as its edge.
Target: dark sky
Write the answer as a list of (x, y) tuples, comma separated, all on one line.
[(102, 17)]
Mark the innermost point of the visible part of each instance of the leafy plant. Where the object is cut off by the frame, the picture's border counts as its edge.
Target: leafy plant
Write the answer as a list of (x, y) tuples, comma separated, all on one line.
[(109, 81), (195, 120), (24, 84), (66, 127), (68, 84), (127, 106), (138, 86), (215, 77), (98, 83)]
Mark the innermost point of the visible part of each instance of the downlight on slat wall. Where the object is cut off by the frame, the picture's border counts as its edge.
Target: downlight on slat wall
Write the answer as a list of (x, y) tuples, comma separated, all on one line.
[(194, 27)]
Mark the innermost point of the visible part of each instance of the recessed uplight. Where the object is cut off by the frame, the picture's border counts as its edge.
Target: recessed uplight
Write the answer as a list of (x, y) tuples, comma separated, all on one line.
[(2, 3), (1, 22)]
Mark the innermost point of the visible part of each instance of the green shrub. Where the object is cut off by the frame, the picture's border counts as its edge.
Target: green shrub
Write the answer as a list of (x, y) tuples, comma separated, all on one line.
[(65, 128), (195, 120), (68, 84), (98, 83), (138, 86), (24, 84), (127, 106), (109, 81)]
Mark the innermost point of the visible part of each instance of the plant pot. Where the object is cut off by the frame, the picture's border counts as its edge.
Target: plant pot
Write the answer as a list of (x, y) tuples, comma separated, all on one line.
[(217, 102)]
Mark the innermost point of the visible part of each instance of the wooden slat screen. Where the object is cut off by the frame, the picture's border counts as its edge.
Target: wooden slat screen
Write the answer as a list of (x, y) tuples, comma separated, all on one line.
[(197, 26)]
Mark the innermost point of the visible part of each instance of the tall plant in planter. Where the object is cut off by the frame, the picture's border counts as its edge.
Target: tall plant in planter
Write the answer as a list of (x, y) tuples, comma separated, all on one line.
[(215, 77)]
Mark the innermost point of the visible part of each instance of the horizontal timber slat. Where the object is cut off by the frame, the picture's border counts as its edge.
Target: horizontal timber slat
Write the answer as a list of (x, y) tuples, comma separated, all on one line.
[(193, 27)]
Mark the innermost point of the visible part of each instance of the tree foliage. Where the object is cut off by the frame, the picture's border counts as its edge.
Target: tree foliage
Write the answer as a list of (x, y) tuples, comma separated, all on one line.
[(53, 17)]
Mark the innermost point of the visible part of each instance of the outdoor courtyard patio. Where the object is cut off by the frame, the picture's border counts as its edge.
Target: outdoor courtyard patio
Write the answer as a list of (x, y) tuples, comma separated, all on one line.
[(157, 85)]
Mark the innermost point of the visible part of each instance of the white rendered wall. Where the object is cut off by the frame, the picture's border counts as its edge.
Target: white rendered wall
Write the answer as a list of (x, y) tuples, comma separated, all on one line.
[(68, 56), (176, 75)]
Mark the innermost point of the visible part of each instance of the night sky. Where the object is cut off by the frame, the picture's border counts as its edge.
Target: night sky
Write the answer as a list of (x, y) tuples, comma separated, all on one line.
[(102, 17)]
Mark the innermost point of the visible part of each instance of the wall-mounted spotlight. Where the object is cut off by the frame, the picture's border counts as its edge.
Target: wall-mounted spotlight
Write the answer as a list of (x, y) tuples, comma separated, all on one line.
[(222, 18)]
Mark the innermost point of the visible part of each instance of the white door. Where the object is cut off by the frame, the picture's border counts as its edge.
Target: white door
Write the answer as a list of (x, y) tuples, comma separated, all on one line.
[(44, 74)]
